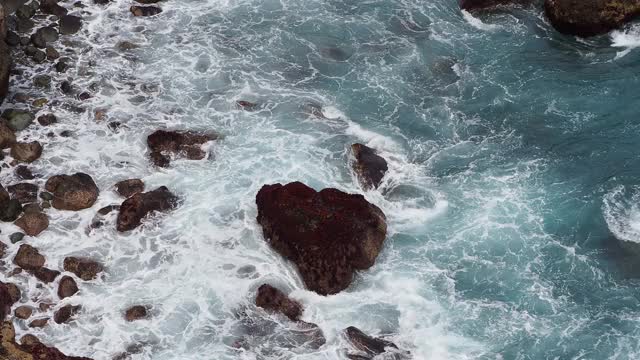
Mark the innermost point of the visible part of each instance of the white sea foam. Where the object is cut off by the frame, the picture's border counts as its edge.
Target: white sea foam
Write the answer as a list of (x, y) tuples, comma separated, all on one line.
[(477, 23), (628, 39)]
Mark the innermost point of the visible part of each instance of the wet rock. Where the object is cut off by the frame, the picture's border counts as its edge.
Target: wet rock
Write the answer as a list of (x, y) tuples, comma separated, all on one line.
[(272, 299), (40, 102), (98, 219), (145, 10), (10, 210), (370, 347), (45, 275), (85, 269), (43, 36), (72, 192), (24, 173), (369, 167), (65, 313), (62, 65), (26, 152), (137, 207), (84, 96), (12, 39), (137, 312), (52, 53), (37, 55), (30, 349), (128, 188), (66, 87), (7, 299), (17, 120), (14, 292), (23, 312), (67, 287), (24, 192), (5, 68), (70, 24), (52, 7), (28, 258), (7, 136), (33, 223), (471, 5), (183, 143), (126, 46), (25, 12), (16, 237), (327, 234), (39, 323), (47, 119), (246, 105), (43, 81), (590, 17)]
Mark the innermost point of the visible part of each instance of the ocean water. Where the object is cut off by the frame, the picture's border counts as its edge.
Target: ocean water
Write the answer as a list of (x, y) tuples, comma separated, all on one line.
[(513, 167)]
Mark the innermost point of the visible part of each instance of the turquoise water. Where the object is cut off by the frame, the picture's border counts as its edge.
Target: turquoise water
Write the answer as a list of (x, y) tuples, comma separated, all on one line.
[(512, 155)]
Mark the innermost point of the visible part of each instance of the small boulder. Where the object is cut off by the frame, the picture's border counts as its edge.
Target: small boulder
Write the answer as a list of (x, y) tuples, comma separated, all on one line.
[(369, 167), (137, 207), (145, 10), (39, 323), (47, 119), (7, 136), (10, 210), (23, 312), (67, 287), (272, 299), (33, 223), (371, 347), (51, 7), (85, 269), (181, 143), (128, 188), (136, 312), (72, 192), (24, 192), (65, 313), (28, 258), (24, 172), (45, 275), (70, 24), (246, 105), (17, 120), (16, 237), (26, 152), (328, 234)]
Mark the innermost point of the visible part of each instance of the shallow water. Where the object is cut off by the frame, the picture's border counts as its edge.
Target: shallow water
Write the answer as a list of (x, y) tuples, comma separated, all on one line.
[(512, 155)]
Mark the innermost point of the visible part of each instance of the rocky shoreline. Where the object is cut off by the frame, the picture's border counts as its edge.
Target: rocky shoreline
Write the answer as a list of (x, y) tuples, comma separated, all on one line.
[(329, 235)]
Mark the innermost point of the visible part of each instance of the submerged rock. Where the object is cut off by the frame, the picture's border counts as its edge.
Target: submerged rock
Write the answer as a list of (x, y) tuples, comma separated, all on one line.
[(67, 287), (128, 188), (85, 269), (52, 7), (272, 299), (136, 312), (26, 152), (7, 299), (72, 192), (145, 10), (47, 119), (183, 143), (590, 17), (28, 258), (327, 234), (24, 192), (369, 347), (65, 313), (369, 167), (135, 208), (70, 24)]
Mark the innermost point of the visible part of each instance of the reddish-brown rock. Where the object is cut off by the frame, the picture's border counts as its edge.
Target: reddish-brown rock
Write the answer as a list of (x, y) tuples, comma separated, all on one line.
[(370, 346), (45, 275), (128, 188), (272, 299), (369, 166), (30, 349), (135, 208), (23, 312), (327, 234), (65, 313), (67, 287), (136, 312), (33, 223), (24, 192), (85, 269), (28, 258), (163, 143), (26, 152), (7, 299), (72, 192), (145, 10)]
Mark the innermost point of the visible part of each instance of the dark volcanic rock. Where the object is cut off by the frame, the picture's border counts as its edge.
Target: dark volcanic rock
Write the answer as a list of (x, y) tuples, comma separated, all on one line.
[(10, 210), (136, 312), (327, 234), (67, 287), (65, 313), (371, 346), (52, 7), (24, 192), (45, 275), (33, 223), (135, 208), (590, 17), (26, 152), (272, 299), (185, 143), (5, 59), (70, 24), (145, 10), (369, 166), (30, 349), (128, 188), (24, 173), (47, 119), (28, 258), (72, 192), (85, 269)]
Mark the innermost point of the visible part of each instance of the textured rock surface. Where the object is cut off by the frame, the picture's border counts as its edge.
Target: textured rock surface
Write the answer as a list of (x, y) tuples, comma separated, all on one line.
[(85, 269), (369, 167), (272, 299), (164, 143), (137, 207), (72, 192), (590, 17), (327, 234)]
